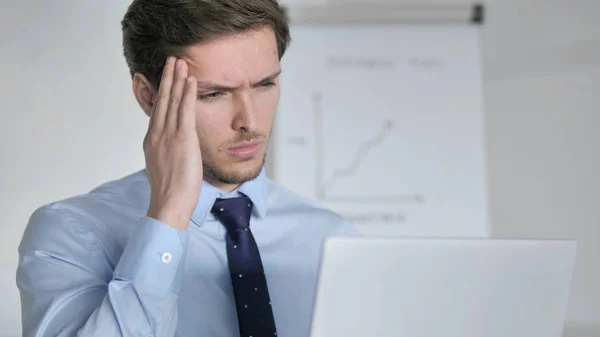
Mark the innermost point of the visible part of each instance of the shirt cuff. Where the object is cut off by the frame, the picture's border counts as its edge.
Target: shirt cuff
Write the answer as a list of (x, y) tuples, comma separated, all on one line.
[(154, 256)]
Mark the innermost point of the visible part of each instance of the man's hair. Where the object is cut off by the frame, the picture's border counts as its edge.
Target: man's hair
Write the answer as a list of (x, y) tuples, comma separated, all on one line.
[(156, 29)]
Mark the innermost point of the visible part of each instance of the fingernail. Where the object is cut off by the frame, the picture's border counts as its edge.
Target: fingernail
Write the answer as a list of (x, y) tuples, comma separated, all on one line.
[(169, 60), (179, 64)]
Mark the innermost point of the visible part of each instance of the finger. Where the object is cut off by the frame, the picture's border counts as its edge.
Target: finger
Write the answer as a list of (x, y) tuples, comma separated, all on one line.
[(187, 113), (176, 94), (159, 110)]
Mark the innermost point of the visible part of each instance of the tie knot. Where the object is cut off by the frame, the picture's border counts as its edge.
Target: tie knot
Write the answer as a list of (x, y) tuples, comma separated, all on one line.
[(233, 213)]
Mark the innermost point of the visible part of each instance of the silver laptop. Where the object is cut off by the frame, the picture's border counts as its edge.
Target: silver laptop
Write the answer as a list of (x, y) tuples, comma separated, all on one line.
[(427, 287)]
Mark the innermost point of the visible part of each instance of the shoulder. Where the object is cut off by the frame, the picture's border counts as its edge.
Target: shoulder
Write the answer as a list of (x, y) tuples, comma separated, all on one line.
[(285, 202), (94, 221), (127, 194)]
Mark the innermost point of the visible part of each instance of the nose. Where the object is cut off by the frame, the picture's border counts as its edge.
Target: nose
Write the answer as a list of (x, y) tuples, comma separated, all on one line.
[(244, 113)]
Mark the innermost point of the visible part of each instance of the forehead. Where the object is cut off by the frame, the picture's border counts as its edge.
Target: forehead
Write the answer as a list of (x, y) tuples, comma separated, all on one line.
[(249, 55)]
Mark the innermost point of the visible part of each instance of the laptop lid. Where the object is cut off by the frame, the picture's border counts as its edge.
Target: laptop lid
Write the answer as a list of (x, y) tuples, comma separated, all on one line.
[(428, 287)]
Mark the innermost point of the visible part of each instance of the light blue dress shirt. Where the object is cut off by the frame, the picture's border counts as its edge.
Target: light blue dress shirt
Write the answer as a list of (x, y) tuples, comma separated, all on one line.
[(95, 265)]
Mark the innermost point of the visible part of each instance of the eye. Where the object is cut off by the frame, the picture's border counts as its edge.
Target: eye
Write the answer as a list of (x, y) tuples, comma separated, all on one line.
[(211, 96), (267, 85)]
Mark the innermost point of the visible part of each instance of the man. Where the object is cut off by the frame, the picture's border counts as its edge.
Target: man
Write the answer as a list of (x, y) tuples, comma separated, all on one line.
[(201, 242)]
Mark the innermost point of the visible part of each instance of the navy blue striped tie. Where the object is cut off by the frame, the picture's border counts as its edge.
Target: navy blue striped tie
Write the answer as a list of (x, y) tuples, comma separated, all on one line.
[(255, 315)]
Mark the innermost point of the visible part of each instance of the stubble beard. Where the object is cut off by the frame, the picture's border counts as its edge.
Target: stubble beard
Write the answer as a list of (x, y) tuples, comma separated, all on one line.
[(222, 175)]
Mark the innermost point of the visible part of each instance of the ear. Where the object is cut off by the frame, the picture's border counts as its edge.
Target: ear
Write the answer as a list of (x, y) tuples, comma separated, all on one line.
[(144, 92)]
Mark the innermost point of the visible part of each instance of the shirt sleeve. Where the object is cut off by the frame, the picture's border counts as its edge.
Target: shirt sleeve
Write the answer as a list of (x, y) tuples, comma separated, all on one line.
[(69, 285)]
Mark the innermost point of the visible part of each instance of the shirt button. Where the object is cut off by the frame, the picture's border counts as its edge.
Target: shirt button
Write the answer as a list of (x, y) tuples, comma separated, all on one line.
[(166, 258)]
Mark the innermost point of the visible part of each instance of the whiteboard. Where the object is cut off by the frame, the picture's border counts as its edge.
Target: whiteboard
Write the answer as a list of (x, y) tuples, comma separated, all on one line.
[(384, 125)]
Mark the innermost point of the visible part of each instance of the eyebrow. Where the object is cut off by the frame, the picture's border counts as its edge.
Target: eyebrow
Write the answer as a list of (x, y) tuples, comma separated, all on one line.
[(212, 86)]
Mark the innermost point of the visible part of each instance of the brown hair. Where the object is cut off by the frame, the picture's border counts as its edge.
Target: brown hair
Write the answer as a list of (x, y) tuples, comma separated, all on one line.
[(155, 29)]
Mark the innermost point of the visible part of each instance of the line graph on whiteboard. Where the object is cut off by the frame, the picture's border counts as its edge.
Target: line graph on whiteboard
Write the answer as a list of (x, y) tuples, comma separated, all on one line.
[(388, 135), (326, 182)]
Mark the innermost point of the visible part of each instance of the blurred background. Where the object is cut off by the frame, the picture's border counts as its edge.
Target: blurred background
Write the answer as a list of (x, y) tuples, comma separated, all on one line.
[(69, 123)]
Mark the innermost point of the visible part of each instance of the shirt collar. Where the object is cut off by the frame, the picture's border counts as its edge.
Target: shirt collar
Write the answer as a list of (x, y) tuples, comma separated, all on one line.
[(256, 190)]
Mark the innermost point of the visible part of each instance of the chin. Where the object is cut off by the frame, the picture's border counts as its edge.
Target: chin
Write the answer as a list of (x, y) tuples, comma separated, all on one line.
[(234, 173)]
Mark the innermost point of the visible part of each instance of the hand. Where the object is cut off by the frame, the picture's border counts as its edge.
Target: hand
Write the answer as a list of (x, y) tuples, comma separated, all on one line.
[(172, 149)]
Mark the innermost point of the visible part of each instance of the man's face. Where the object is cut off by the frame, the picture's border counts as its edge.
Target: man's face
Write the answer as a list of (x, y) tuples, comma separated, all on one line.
[(238, 92)]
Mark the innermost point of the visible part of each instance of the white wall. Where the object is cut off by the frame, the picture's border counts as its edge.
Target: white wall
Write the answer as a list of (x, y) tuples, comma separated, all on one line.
[(542, 76), (542, 71)]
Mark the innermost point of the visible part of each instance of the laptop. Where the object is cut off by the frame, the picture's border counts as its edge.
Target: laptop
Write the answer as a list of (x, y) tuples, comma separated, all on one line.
[(435, 287)]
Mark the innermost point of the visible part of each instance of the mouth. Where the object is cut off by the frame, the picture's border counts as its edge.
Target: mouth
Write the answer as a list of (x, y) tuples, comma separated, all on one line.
[(245, 149)]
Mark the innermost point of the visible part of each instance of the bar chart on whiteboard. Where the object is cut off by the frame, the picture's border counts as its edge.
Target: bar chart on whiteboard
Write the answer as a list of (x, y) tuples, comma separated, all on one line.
[(384, 125)]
